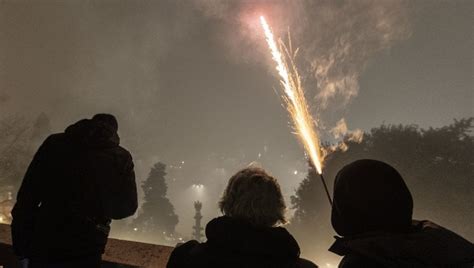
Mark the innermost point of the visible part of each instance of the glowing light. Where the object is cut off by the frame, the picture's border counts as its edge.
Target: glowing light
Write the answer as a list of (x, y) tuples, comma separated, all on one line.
[(294, 98), (295, 172)]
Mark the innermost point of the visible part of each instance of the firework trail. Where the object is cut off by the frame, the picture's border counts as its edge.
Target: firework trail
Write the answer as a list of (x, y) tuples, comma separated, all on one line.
[(294, 98)]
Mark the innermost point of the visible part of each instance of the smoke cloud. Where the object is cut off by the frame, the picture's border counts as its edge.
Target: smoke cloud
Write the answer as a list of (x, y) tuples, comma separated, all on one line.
[(337, 40), (342, 133), (340, 37)]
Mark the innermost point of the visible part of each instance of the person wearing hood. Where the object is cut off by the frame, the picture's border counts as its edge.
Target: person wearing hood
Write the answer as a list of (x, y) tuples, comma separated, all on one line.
[(372, 212), (76, 183), (248, 234)]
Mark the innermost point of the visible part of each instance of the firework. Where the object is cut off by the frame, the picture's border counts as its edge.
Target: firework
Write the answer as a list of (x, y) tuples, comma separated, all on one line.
[(294, 98), (295, 101)]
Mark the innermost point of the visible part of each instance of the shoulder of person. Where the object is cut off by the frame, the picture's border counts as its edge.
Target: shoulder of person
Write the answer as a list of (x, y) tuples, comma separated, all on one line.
[(304, 263), (120, 154), (123, 153), (54, 138), (182, 254), (188, 247), (355, 261), (52, 142)]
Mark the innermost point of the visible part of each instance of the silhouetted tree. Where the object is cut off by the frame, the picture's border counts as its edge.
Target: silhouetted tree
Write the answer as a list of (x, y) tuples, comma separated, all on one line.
[(15, 152), (310, 191), (19, 139), (311, 215), (157, 220), (437, 164)]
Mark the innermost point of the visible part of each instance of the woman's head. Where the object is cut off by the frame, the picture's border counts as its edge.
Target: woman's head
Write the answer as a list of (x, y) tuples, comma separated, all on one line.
[(255, 196), (370, 195)]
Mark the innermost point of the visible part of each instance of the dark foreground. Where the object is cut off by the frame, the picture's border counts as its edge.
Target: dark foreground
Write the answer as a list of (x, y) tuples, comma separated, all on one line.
[(118, 253)]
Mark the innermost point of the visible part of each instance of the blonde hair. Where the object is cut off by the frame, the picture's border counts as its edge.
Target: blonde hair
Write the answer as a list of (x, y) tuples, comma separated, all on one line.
[(255, 196)]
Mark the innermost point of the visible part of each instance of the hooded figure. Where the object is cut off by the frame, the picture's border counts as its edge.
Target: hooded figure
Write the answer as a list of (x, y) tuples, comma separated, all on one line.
[(76, 183), (246, 236), (372, 211)]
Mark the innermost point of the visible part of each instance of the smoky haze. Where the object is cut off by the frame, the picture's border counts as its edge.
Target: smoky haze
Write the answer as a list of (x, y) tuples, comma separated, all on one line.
[(192, 82)]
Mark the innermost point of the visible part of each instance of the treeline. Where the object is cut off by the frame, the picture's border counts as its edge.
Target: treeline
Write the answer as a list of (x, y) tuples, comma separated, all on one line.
[(19, 139)]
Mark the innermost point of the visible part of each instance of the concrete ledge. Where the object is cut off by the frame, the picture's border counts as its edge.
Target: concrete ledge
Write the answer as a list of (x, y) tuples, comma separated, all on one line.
[(136, 253), (117, 251)]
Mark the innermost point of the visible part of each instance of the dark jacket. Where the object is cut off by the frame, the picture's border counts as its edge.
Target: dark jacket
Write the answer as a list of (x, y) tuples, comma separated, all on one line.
[(426, 245), (372, 211), (76, 183), (235, 243)]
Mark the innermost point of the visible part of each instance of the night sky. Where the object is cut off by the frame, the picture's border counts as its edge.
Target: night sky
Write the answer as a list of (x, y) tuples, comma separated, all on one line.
[(193, 82)]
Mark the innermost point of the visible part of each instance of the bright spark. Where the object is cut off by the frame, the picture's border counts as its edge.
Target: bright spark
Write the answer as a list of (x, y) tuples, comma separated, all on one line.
[(294, 98)]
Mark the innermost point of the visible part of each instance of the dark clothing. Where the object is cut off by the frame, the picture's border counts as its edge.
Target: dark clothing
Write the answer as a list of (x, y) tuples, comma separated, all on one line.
[(425, 245), (76, 183), (370, 196), (93, 261), (372, 210), (236, 243)]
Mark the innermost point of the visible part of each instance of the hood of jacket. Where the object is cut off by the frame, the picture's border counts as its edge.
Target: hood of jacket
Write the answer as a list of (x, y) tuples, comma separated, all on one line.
[(426, 245), (370, 195), (92, 134), (235, 235)]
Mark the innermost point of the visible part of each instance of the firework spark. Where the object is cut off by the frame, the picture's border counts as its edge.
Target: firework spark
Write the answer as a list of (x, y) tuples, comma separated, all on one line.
[(294, 98)]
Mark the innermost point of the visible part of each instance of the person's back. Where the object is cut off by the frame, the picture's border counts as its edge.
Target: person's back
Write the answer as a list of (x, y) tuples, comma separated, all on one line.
[(77, 182), (246, 235), (235, 243), (372, 211)]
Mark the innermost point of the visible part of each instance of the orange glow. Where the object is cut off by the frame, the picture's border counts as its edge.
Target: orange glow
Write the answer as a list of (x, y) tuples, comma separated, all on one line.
[(294, 98)]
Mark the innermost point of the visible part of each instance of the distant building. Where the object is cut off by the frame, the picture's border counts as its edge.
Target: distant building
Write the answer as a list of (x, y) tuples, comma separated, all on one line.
[(197, 234)]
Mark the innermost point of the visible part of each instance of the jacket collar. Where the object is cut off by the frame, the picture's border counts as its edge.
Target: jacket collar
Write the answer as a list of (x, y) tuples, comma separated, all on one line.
[(238, 235)]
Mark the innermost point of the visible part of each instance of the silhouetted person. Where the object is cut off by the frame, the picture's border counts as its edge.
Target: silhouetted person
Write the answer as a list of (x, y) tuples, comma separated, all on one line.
[(76, 183), (372, 211), (246, 235)]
